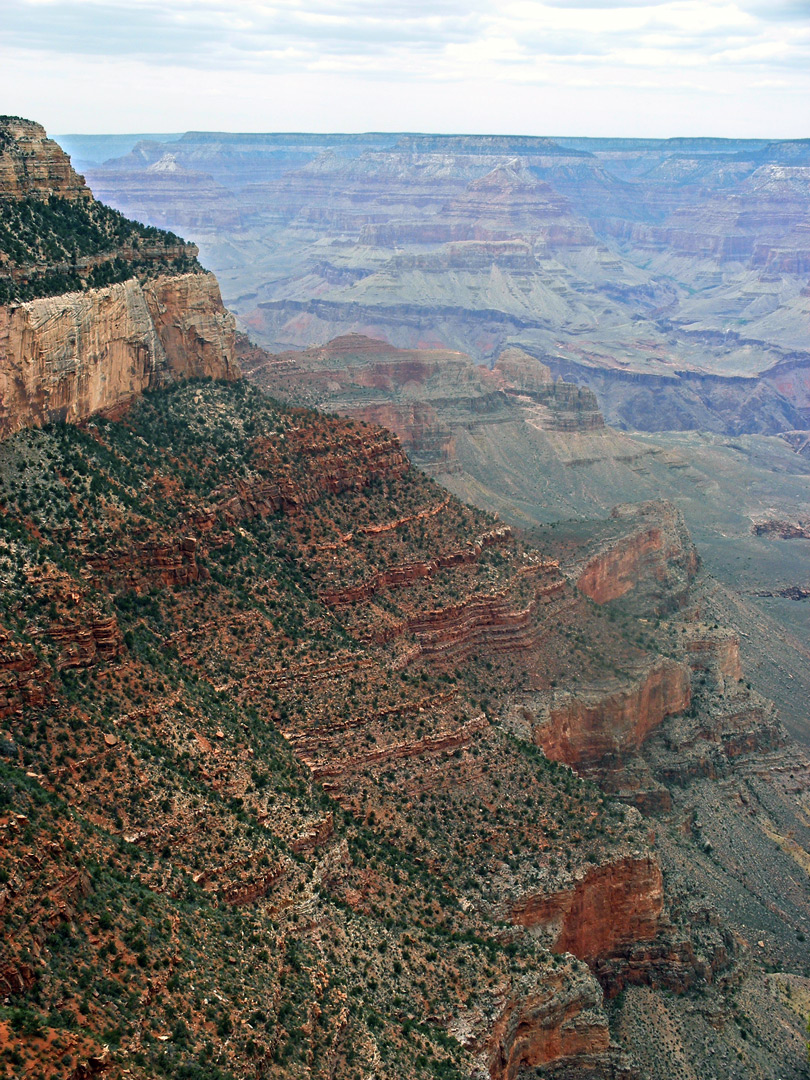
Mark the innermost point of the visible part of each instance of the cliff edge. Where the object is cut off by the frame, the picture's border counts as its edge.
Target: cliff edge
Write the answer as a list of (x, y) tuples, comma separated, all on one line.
[(95, 308)]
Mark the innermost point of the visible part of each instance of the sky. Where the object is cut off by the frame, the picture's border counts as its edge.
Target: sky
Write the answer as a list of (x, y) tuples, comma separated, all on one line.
[(658, 68)]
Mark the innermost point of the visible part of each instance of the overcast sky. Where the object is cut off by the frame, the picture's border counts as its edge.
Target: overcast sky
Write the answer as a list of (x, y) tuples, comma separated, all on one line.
[(576, 67)]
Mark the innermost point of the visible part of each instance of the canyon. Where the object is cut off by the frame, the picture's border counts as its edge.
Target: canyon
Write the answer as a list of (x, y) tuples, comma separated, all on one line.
[(669, 276), (309, 766)]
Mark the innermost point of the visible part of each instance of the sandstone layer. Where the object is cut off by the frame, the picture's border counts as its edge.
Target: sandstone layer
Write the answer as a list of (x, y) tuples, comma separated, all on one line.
[(33, 164), (64, 358)]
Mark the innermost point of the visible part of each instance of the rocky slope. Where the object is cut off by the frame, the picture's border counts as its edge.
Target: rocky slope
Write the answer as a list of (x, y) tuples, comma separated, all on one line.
[(426, 396), (537, 450), (293, 695)]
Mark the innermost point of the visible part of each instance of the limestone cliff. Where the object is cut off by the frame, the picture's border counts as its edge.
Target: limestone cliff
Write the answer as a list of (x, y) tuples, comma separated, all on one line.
[(33, 164), (610, 725), (97, 308), (66, 357)]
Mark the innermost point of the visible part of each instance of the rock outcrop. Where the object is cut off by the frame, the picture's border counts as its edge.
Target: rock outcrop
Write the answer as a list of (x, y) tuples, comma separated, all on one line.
[(654, 558), (606, 728), (71, 344), (66, 357), (426, 396), (557, 1022), (607, 909), (31, 164)]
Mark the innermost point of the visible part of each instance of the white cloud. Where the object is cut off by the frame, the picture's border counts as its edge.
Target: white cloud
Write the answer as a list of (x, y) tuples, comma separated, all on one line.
[(458, 59)]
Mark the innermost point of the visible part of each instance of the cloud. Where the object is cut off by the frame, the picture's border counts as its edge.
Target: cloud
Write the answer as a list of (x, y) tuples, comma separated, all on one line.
[(439, 36), (430, 44), (211, 31)]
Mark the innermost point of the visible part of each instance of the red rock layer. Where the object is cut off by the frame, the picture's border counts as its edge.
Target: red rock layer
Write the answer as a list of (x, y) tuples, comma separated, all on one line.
[(22, 682), (557, 1020), (611, 907), (587, 733)]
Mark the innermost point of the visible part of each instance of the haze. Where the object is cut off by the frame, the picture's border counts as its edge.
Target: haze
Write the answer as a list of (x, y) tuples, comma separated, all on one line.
[(584, 67)]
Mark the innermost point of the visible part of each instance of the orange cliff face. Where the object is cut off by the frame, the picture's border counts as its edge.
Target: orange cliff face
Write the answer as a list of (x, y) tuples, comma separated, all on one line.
[(600, 729), (607, 909), (66, 357), (655, 556), (67, 354), (558, 1021)]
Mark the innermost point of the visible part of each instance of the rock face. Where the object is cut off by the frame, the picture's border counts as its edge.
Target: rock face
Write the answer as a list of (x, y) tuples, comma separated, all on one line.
[(556, 1022), (656, 556), (607, 728), (33, 164), (74, 349), (425, 395), (608, 908), (66, 357)]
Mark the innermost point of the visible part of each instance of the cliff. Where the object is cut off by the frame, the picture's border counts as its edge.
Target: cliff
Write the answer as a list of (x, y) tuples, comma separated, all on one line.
[(80, 349), (607, 727), (651, 561), (64, 358), (32, 165), (607, 908)]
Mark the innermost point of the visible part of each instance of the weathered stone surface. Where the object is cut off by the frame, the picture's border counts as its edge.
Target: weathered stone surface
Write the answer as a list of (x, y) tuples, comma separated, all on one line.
[(608, 908), (33, 164), (558, 1020), (66, 357), (656, 556), (599, 729)]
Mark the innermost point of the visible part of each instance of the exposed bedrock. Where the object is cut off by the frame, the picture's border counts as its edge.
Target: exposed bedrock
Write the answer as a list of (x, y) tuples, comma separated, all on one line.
[(558, 1025), (655, 557), (33, 164), (607, 909), (604, 728), (66, 357)]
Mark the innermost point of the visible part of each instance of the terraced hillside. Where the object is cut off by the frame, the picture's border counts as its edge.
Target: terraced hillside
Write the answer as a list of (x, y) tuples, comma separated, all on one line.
[(286, 734)]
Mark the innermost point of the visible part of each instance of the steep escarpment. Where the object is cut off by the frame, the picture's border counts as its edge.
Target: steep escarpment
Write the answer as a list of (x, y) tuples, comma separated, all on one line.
[(613, 724), (55, 237), (276, 688), (290, 762), (97, 308), (33, 165), (66, 357), (650, 555)]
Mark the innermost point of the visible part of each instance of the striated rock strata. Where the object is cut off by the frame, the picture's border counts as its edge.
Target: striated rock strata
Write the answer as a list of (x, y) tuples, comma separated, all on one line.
[(66, 357), (606, 909), (33, 164)]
